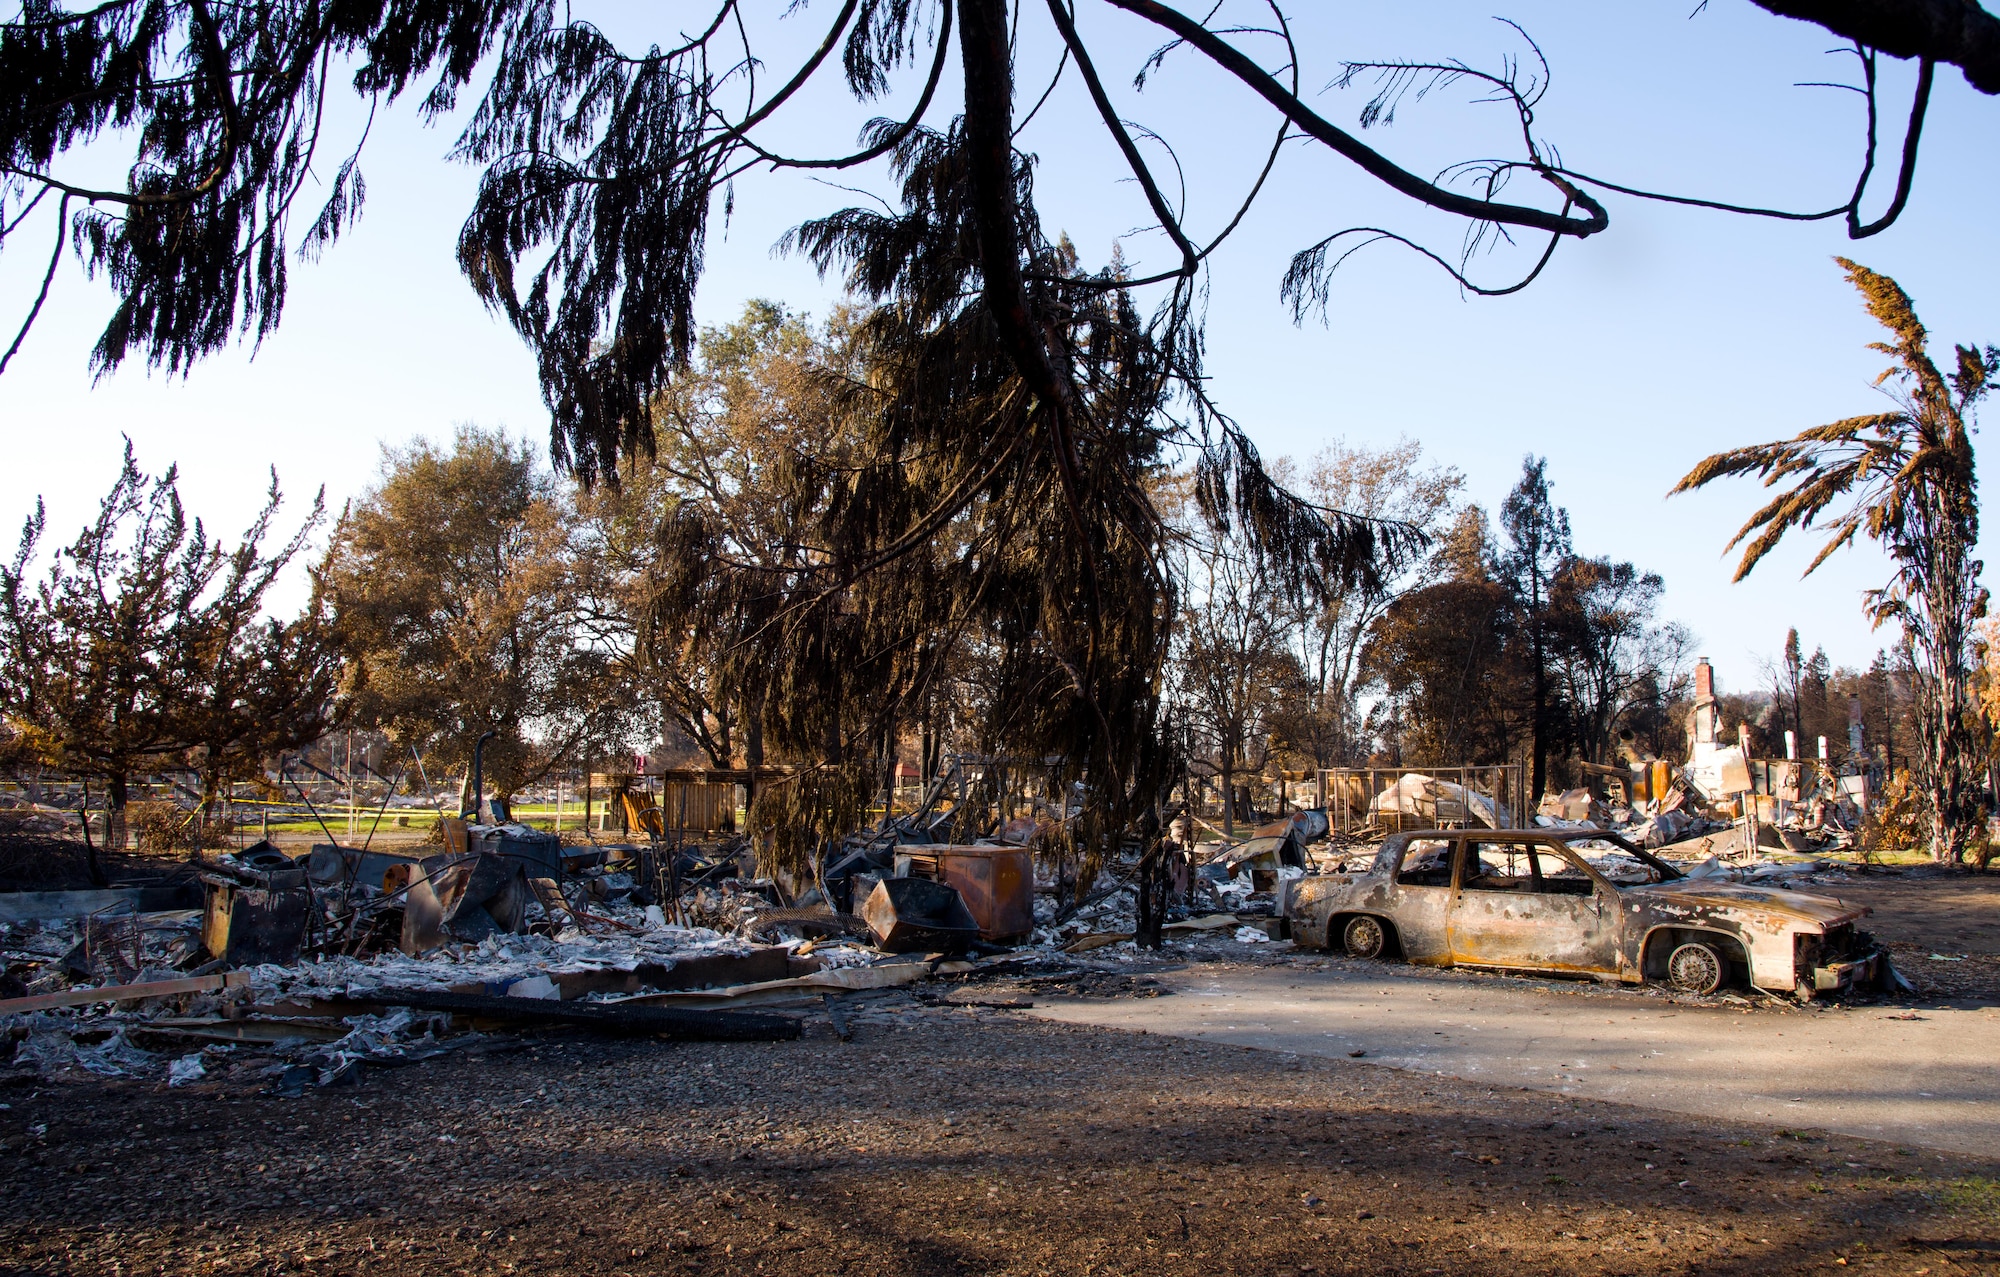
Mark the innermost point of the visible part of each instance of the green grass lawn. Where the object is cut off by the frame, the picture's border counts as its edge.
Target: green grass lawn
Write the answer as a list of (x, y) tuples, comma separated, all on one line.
[(403, 819)]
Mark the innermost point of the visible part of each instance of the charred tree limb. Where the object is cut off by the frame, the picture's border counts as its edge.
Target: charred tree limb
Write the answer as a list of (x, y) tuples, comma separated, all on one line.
[(1912, 137), (984, 43), (1169, 219), (1369, 160)]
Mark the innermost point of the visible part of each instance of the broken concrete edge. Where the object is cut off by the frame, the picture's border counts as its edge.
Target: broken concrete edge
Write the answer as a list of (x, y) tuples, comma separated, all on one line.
[(125, 992), (668, 1022), (838, 980), (1207, 922)]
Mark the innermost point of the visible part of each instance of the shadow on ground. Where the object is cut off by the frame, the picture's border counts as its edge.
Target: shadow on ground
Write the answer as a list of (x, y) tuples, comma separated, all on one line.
[(959, 1141)]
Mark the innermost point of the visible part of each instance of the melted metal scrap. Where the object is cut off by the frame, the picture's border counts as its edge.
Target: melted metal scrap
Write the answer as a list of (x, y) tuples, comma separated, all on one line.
[(916, 915)]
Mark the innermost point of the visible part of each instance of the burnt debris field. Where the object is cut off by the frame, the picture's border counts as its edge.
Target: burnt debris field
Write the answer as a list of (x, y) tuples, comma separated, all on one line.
[(938, 1126)]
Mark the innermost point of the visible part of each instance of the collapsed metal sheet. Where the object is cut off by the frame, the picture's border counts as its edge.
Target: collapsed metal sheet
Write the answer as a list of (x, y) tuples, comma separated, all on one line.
[(423, 915), (909, 915), (464, 897)]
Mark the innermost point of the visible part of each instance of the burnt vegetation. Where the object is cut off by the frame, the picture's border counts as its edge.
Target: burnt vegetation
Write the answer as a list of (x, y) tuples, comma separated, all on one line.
[(1905, 480)]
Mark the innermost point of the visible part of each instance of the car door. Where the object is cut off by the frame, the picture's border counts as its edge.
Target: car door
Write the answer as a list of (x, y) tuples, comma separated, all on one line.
[(1417, 895), (1527, 905)]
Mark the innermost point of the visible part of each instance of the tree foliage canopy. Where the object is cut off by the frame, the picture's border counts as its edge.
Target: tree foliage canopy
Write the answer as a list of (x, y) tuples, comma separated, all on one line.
[(601, 165), (460, 596), (1532, 649), (1000, 415)]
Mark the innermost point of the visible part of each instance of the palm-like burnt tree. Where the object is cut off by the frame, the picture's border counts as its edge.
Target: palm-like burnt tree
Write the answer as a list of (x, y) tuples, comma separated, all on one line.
[(1905, 480)]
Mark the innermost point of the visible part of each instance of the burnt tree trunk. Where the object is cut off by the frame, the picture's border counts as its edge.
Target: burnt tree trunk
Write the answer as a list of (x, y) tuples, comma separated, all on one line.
[(753, 754), (91, 863), (1228, 795), (1153, 885), (116, 791)]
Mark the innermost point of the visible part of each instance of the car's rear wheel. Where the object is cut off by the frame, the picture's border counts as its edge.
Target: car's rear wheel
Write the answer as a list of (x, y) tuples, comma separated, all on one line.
[(1363, 937), (1696, 968)]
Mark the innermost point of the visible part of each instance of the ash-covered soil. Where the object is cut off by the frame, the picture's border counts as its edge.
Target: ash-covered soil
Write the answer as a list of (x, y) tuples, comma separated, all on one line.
[(943, 1139), (1942, 926)]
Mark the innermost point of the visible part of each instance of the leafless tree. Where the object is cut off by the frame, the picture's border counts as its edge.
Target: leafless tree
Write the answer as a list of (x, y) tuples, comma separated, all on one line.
[(1232, 662)]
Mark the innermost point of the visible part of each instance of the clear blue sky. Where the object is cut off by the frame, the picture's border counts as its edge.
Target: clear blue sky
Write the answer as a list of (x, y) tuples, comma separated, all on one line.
[(1677, 333)]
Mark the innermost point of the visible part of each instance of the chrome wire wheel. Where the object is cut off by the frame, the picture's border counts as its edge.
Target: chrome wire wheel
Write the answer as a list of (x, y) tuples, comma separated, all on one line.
[(1695, 968), (1364, 937)]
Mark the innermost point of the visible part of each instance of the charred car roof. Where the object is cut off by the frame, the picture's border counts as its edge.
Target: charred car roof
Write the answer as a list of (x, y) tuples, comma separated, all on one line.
[(1396, 842)]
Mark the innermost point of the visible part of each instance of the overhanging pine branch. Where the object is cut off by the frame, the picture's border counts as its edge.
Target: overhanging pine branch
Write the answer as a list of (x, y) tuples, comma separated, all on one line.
[(1955, 31), (1369, 160)]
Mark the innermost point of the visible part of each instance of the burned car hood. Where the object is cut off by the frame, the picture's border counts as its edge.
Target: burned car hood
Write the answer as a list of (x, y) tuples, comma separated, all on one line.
[(1825, 910)]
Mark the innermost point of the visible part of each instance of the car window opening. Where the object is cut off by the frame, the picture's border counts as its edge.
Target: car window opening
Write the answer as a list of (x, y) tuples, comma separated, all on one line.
[(1426, 863)]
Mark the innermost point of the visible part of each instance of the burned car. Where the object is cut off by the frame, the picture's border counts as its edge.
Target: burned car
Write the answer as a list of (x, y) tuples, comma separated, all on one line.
[(1580, 902)]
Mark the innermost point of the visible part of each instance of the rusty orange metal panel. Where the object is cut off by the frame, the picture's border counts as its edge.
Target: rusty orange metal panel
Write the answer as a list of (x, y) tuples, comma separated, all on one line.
[(996, 883), (1534, 905)]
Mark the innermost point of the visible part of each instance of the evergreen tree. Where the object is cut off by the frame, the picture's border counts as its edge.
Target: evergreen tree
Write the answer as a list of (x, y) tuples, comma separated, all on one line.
[(1538, 550)]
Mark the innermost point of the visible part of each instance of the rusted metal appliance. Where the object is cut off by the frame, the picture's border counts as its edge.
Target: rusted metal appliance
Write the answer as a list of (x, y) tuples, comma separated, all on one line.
[(254, 925), (916, 915), (996, 883), (256, 908)]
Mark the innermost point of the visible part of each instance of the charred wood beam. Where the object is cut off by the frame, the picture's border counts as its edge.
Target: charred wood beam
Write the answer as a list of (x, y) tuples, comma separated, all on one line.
[(604, 1017)]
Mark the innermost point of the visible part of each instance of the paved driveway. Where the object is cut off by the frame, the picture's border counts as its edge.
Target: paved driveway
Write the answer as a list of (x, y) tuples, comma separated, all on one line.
[(1923, 1077)]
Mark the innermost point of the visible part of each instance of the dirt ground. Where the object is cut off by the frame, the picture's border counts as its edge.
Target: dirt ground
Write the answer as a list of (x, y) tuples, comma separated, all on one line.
[(1951, 910), (1941, 925), (944, 1140)]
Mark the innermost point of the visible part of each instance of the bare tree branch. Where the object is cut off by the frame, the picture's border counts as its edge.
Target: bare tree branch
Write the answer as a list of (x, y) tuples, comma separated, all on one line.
[(1375, 164)]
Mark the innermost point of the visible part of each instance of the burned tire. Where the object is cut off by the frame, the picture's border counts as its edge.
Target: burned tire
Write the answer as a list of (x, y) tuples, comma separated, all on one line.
[(1364, 937), (1696, 968)]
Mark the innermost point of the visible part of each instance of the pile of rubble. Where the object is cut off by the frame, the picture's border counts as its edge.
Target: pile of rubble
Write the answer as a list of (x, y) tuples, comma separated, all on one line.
[(1654, 806), (1800, 829), (1721, 840), (286, 972)]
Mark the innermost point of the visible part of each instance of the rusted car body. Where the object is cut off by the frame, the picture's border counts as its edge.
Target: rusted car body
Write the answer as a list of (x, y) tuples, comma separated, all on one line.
[(1580, 902)]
